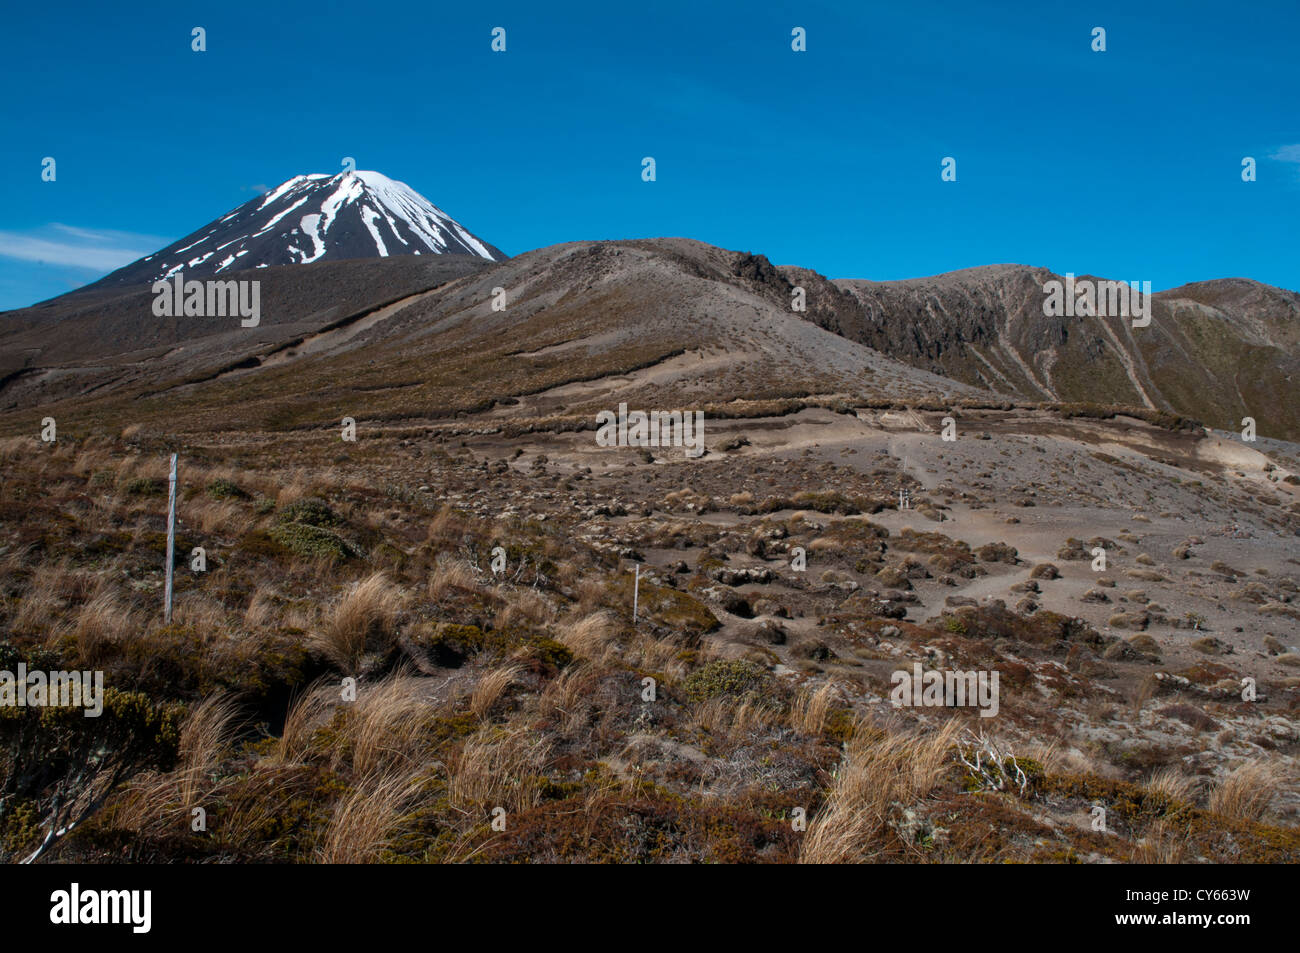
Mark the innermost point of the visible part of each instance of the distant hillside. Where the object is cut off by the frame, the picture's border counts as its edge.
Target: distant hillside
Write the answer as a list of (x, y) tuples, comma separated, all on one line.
[(1215, 350), (589, 323)]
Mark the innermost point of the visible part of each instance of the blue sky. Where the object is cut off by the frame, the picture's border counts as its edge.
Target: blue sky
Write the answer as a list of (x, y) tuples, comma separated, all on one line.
[(1125, 163)]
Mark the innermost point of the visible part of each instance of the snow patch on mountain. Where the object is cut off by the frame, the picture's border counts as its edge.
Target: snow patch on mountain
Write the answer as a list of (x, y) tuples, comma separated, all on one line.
[(314, 217)]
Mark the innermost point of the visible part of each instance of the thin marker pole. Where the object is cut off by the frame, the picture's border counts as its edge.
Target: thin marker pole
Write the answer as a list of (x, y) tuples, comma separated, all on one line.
[(636, 589), (171, 542)]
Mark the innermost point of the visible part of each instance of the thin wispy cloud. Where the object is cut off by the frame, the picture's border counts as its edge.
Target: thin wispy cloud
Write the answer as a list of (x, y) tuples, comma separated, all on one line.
[(72, 246), (1289, 153)]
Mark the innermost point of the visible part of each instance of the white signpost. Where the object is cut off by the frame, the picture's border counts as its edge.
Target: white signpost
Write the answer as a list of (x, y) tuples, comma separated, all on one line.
[(636, 589), (171, 542)]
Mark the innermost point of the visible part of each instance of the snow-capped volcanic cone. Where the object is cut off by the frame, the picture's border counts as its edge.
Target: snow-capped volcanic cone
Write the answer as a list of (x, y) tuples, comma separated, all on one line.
[(312, 218)]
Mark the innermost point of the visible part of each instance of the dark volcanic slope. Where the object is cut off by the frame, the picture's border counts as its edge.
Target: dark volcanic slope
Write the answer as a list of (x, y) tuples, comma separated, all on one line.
[(721, 321), (93, 340), (312, 218), (1216, 350), (588, 314)]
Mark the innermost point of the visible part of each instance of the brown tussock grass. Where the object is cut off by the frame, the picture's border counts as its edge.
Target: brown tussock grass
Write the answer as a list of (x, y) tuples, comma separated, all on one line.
[(1047, 753), (810, 709), (367, 820), (18, 448), (155, 467), (262, 610), (306, 713), (148, 805), (592, 636), (304, 618), (593, 592), (233, 650), (291, 493), (205, 739), (90, 460), (499, 767), (219, 516), (446, 527), (566, 697), (258, 802), (491, 687), (366, 614), (523, 606), (451, 577), (878, 769), (321, 571), (39, 604), (160, 802), (1247, 792), (1160, 845), (1143, 693), (733, 720), (103, 624), (657, 655), (1173, 784), (202, 613), (385, 728)]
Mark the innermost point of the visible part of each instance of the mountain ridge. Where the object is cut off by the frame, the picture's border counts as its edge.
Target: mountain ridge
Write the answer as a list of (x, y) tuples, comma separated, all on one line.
[(1215, 351)]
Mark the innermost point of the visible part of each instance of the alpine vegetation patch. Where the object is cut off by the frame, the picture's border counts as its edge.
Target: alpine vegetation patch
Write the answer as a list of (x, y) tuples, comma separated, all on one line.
[(658, 428), (945, 689), (24, 689), (209, 299), (1087, 298), (74, 906)]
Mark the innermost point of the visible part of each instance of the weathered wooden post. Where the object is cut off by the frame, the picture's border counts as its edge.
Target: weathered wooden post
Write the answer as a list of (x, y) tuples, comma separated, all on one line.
[(171, 542), (636, 589)]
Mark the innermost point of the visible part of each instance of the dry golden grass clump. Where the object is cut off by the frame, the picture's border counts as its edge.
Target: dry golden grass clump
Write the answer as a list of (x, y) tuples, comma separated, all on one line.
[(262, 609), (219, 517), (1247, 792), (306, 713), (811, 709), (16, 448), (1144, 692), (384, 728), (730, 720), (41, 601), (365, 617), (447, 527), (205, 740), (1173, 784), (879, 768), (522, 606), (450, 578), (102, 624), (368, 819), (566, 698), (491, 687), (499, 767), (157, 802), (591, 636), (1161, 844), (592, 592)]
